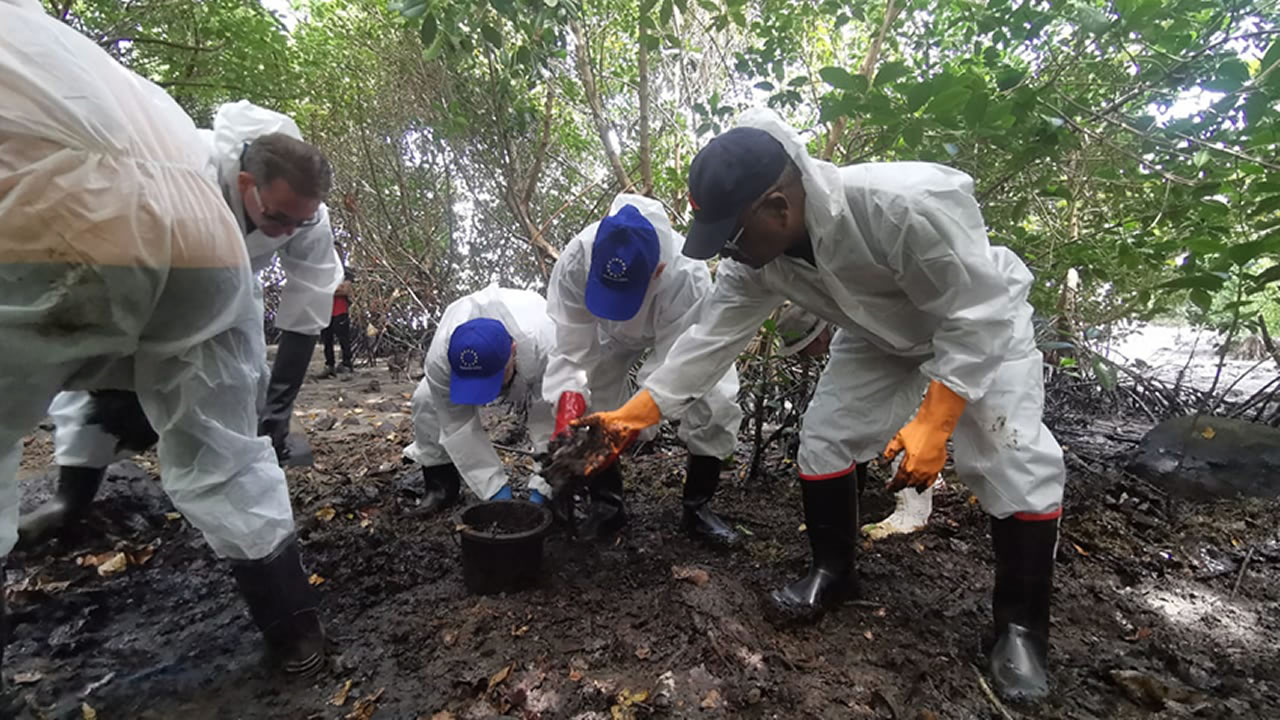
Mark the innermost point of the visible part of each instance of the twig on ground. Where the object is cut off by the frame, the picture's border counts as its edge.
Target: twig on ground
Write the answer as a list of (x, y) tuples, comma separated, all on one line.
[(995, 701), (1243, 567)]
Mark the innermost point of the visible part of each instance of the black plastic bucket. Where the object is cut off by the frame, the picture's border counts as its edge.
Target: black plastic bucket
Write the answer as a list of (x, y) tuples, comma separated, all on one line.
[(502, 545)]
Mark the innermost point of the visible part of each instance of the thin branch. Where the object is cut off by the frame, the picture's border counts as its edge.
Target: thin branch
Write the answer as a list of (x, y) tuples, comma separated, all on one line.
[(160, 41)]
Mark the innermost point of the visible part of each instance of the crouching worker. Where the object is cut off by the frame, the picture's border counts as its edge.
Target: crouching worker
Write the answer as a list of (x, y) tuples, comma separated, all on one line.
[(121, 268), (489, 345)]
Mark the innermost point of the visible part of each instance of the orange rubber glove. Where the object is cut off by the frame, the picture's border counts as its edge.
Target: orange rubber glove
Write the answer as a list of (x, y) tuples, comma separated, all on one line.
[(621, 426), (924, 439)]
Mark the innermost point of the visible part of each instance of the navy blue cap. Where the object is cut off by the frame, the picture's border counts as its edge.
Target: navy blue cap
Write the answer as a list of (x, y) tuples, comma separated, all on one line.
[(478, 354), (623, 259), (726, 176)]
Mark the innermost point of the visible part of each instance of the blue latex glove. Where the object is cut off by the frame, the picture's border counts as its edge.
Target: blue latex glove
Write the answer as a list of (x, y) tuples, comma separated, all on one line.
[(536, 497), (504, 493)]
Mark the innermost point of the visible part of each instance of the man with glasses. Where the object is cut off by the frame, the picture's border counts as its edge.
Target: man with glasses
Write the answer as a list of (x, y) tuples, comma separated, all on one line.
[(274, 184), (896, 255)]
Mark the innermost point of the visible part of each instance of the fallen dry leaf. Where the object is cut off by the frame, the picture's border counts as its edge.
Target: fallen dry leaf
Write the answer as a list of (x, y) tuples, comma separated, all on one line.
[(499, 676), (143, 556), (1080, 550), (87, 712), (172, 516), (627, 697), (449, 637), (444, 715), (27, 678), (340, 698), (365, 706), (114, 564), (697, 576), (880, 612), (711, 700), (315, 579), (868, 635), (575, 676), (917, 546), (325, 514), (518, 631), (1208, 433), (802, 528), (642, 652), (1139, 634)]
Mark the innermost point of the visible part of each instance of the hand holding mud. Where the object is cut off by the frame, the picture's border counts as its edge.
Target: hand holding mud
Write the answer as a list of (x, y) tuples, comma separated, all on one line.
[(924, 439), (621, 427)]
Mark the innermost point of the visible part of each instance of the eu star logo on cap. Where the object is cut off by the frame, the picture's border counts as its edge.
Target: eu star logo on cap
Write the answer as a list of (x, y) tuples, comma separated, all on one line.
[(726, 176), (624, 256), (478, 353)]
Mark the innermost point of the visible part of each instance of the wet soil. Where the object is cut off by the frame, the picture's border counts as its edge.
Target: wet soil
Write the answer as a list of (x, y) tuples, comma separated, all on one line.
[(1163, 608)]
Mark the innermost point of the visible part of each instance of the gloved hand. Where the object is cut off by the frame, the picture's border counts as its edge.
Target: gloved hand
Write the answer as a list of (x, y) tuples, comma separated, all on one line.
[(504, 493), (569, 408), (621, 427), (924, 439)]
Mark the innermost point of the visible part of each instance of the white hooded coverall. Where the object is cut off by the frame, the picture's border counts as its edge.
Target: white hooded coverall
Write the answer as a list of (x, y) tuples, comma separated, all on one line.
[(311, 267), (121, 268), (445, 432), (594, 356), (904, 268)]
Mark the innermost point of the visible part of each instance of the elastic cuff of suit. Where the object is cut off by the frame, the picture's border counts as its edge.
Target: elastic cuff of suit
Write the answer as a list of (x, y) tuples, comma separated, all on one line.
[(828, 476), (1038, 517)]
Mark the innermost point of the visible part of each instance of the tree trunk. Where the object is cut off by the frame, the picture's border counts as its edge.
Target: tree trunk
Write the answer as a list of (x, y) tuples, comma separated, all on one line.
[(646, 164), (583, 56)]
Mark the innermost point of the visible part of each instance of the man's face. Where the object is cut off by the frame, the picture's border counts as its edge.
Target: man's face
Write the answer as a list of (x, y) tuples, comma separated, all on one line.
[(275, 208), (818, 346), (767, 228)]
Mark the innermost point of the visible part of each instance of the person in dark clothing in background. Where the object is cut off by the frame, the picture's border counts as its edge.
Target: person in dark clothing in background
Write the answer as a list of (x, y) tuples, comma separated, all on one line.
[(339, 327)]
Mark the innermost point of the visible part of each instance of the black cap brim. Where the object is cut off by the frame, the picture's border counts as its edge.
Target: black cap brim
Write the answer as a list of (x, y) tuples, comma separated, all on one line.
[(705, 239)]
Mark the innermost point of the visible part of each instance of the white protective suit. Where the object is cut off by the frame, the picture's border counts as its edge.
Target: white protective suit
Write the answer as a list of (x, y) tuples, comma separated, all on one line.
[(594, 356), (905, 270), (120, 267), (311, 267), (445, 432)]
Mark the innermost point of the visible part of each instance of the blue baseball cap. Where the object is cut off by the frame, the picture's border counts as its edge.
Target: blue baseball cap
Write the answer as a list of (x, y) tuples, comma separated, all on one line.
[(478, 354), (729, 174), (625, 255)]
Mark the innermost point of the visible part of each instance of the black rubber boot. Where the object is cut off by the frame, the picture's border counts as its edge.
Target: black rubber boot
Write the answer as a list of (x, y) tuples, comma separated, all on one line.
[(828, 513), (284, 606), (77, 486), (607, 513), (293, 355), (702, 476), (442, 483), (1024, 586)]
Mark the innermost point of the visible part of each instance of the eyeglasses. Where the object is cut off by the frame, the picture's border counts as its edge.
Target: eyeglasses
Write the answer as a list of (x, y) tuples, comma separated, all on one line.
[(732, 246), (282, 219)]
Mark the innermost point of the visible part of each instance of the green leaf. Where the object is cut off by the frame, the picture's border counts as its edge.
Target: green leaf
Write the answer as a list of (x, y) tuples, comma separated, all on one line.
[(428, 30), (764, 85), (504, 7), (1270, 275), (1202, 299), (1230, 76), (1271, 203), (412, 8), (664, 15), (798, 81), (975, 109), (1201, 158), (1105, 373), (524, 56), (918, 95), (652, 43), (1008, 78), (1201, 281), (889, 72), (840, 78), (1270, 59), (1246, 252), (709, 6), (491, 35), (913, 135), (948, 102)]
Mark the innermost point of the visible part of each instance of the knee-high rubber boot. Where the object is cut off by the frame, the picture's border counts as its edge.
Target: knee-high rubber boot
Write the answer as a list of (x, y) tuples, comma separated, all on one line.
[(293, 355), (77, 486), (607, 514), (702, 476), (828, 516), (442, 482), (1024, 551), (284, 606)]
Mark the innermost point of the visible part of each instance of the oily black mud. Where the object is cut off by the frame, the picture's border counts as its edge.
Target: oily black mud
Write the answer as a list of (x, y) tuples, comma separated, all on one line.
[(654, 624)]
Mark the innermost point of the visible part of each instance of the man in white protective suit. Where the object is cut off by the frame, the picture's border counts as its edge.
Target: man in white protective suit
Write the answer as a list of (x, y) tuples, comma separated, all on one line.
[(620, 289), (896, 255), (488, 345), (803, 334), (121, 268), (274, 184)]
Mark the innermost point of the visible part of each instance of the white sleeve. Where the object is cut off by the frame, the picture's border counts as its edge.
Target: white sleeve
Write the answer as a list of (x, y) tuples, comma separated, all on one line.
[(944, 264), (576, 351), (463, 436), (728, 318), (312, 272)]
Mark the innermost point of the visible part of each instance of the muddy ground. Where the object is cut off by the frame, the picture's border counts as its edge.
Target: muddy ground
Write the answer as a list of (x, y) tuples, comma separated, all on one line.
[(1163, 609)]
